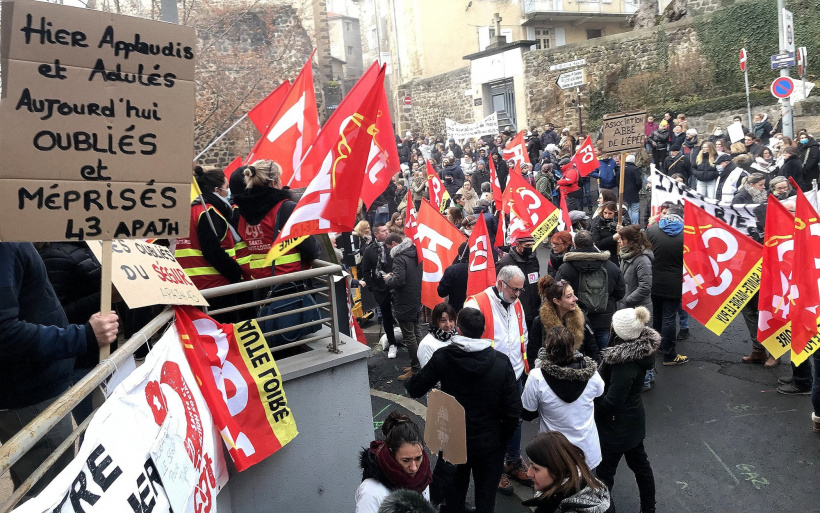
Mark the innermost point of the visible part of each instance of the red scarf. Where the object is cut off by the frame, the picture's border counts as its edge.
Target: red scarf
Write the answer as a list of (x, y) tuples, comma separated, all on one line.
[(395, 474)]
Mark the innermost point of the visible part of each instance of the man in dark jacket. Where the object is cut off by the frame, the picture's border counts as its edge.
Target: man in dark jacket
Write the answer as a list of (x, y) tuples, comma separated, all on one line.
[(522, 255), (586, 261), (453, 284), (666, 237), (455, 148), (405, 284), (376, 263), (452, 175), (633, 183), (810, 157), (483, 382), (481, 175), (501, 169), (37, 351), (678, 163), (605, 230), (549, 136)]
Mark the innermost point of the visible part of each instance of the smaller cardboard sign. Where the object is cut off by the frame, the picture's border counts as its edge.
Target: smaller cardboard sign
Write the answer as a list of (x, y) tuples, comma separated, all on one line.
[(736, 132), (148, 274), (624, 132), (445, 429)]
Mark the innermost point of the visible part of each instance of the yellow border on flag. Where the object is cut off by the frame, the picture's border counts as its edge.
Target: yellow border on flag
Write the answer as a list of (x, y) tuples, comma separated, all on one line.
[(811, 347), (283, 247), (739, 297), (544, 229), (779, 342)]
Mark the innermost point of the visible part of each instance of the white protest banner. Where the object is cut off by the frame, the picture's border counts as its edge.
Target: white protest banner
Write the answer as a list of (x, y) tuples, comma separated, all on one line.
[(735, 132), (148, 274), (97, 117), (145, 439), (665, 189), (462, 131)]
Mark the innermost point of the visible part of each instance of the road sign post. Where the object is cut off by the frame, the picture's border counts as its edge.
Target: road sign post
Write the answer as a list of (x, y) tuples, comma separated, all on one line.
[(785, 22), (745, 70)]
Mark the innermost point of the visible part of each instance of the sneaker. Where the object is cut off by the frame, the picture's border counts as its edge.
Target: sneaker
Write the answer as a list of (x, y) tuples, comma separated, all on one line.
[(391, 353), (815, 423), (679, 360), (683, 334), (505, 486), (407, 375), (518, 471), (384, 343), (785, 380), (791, 389)]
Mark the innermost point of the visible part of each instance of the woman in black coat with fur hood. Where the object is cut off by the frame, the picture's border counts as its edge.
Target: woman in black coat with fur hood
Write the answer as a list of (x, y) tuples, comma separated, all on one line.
[(619, 413)]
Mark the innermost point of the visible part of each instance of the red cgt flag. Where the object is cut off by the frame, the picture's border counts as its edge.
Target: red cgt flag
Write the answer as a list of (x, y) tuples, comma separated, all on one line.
[(439, 197), (519, 226), (584, 160), (541, 214), (566, 221), (481, 269), (721, 269), (496, 187), (438, 241), (411, 222), (775, 301), (383, 159), (339, 156), (240, 382), (805, 291), (264, 112), (291, 132), (516, 150)]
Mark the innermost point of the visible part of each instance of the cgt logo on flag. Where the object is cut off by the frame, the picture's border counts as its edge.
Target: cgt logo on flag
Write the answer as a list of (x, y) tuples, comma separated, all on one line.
[(241, 384), (439, 241)]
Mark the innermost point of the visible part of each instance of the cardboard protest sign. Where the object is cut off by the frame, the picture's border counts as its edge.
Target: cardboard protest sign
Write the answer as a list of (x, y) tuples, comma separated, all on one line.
[(624, 132), (445, 427), (152, 446), (97, 117), (148, 274)]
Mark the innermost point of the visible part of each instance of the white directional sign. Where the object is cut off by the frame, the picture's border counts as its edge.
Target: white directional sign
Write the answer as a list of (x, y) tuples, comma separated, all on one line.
[(788, 31), (567, 65), (570, 79)]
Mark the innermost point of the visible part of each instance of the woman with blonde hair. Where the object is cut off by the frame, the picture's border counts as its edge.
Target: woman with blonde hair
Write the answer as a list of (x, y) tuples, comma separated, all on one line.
[(705, 172), (469, 196), (264, 208)]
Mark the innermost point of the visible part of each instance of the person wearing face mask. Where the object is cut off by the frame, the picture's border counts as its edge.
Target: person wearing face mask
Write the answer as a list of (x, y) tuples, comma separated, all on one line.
[(442, 329), (522, 255), (265, 208), (506, 327), (810, 157), (730, 178), (469, 196)]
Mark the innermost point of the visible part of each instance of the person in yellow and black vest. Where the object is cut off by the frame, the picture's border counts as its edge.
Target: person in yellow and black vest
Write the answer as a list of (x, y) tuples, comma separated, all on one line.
[(505, 324), (264, 208), (208, 254)]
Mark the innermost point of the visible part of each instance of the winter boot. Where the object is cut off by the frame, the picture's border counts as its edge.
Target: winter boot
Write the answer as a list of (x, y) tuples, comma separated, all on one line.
[(758, 355)]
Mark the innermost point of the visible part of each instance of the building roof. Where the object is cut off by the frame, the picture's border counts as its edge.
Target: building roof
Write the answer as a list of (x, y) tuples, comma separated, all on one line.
[(499, 49)]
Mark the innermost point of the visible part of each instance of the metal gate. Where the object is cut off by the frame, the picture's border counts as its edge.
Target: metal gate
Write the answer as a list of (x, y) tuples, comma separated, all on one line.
[(502, 96)]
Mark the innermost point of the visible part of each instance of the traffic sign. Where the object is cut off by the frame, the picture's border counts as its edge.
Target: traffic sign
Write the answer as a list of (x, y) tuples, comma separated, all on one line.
[(782, 87), (742, 59), (788, 30), (408, 100), (567, 65), (570, 79), (801, 61), (783, 60)]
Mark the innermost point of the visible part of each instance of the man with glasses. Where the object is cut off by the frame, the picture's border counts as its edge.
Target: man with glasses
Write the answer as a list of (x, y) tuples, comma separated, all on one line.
[(522, 255), (506, 326)]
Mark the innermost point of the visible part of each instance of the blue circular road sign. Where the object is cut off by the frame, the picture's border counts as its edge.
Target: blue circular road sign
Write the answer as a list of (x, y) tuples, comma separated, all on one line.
[(782, 87)]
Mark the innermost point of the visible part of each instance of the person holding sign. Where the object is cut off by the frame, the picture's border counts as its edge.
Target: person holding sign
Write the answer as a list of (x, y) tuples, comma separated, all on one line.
[(37, 351)]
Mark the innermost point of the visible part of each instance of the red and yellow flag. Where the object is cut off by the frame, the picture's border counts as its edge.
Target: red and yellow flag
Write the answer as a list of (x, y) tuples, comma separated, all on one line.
[(240, 382), (481, 270), (775, 301), (804, 317), (540, 213), (438, 241)]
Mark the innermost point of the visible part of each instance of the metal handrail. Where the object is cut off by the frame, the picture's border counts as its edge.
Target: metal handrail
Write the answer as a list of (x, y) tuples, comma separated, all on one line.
[(22, 441)]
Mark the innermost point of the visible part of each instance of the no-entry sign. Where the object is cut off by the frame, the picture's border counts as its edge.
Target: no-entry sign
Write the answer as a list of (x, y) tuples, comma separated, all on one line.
[(782, 87), (408, 100)]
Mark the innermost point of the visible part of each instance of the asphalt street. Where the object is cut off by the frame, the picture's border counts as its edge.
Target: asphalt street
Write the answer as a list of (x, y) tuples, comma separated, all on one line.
[(719, 435)]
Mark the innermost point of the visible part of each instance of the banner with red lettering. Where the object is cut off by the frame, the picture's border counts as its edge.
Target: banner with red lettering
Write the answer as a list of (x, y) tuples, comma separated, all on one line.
[(439, 197), (775, 300), (238, 376), (584, 160), (481, 270), (541, 214), (150, 447), (721, 269), (495, 186), (438, 240), (516, 150), (805, 291)]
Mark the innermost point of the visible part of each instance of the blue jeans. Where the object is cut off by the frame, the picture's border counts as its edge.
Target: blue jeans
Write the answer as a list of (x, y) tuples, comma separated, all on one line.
[(683, 317), (587, 199), (634, 210), (601, 337), (664, 313), (513, 453)]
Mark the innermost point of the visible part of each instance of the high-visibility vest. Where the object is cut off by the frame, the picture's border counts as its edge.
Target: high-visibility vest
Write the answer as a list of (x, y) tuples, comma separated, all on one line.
[(189, 251), (258, 239), (486, 307)]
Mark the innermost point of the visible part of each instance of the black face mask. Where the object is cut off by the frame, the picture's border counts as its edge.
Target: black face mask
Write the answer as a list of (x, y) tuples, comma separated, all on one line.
[(526, 252)]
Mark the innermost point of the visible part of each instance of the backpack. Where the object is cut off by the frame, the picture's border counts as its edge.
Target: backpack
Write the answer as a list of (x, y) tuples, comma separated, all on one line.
[(606, 174), (285, 305), (593, 291)]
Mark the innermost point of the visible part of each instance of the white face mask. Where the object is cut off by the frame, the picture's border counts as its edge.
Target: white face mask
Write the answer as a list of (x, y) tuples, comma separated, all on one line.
[(468, 232)]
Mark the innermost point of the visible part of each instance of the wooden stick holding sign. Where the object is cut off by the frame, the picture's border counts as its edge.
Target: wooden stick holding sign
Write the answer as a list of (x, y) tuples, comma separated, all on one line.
[(105, 292), (621, 191)]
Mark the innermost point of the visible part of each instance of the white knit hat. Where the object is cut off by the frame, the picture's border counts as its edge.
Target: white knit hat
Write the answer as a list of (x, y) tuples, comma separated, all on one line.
[(630, 322)]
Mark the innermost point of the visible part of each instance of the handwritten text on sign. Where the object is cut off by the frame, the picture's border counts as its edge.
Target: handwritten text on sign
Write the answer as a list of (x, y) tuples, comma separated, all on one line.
[(624, 132), (148, 274), (97, 119)]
